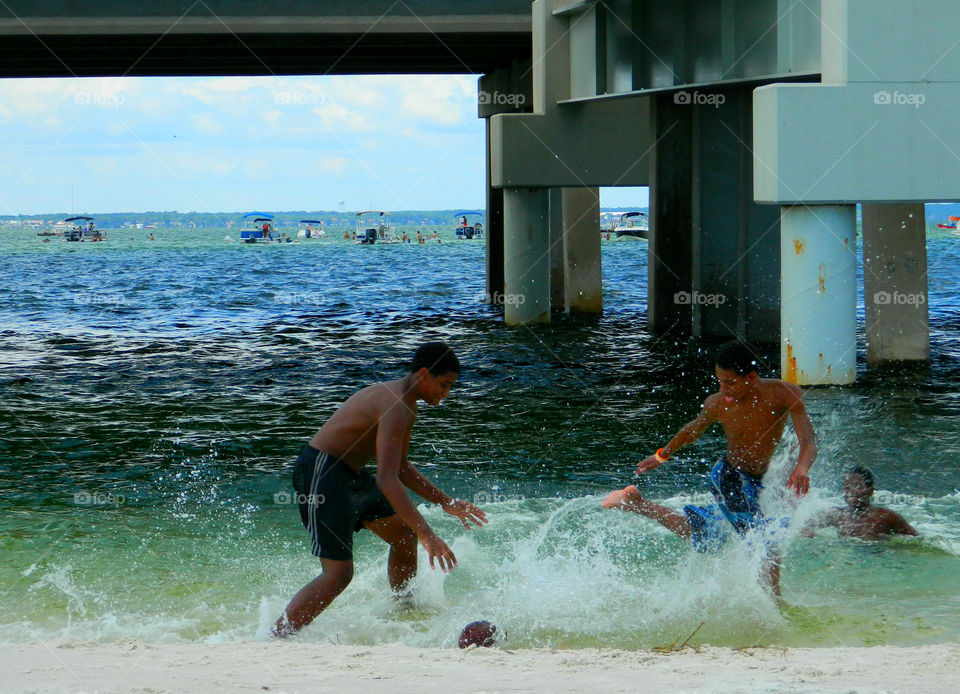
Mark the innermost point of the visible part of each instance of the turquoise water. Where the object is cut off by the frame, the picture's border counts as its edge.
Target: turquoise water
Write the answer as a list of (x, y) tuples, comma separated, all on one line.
[(155, 393)]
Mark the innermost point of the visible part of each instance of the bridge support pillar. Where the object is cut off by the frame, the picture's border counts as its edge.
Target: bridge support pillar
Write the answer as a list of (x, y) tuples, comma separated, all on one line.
[(895, 283), (558, 270), (526, 213), (736, 270), (670, 257), (493, 233), (714, 256), (818, 311), (582, 285)]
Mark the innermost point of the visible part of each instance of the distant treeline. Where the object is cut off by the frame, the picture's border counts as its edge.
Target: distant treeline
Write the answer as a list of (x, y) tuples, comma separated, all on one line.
[(220, 220), (936, 212)]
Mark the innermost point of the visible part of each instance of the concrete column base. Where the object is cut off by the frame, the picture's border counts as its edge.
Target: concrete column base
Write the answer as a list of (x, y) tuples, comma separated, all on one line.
[(493, 234), (818, 311), (583, 286), (895, 283), (526, 243)]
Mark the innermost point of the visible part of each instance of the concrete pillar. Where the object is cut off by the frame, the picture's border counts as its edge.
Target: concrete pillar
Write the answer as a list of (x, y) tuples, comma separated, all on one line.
[(506, 90), (669, 249), (818, 312), (895, 283), (716, 192), (758, 272), (583, 289), (736, 242), (493, 233), (526, 296), (557, 235)]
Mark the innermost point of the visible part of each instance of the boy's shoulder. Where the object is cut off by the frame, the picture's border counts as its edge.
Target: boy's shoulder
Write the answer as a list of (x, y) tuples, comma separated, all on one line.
[(785, 390)]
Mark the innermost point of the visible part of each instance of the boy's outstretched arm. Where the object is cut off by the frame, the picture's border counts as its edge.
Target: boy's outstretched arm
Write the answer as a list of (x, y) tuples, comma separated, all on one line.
[(690, 432), (799, 479), (414, 480), (391, 433)]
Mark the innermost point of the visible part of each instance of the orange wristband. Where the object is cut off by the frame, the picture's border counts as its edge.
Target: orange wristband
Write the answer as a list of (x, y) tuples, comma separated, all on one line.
[(660, 456)]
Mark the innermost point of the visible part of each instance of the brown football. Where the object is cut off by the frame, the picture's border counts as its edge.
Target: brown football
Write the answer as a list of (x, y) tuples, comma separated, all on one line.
[(480, 633)]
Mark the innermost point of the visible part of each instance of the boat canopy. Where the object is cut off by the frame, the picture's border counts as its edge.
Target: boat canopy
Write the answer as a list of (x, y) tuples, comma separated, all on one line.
[(77, 219), (310, 221), (379, 212), (627, 215), (468, 214), (260, 215)]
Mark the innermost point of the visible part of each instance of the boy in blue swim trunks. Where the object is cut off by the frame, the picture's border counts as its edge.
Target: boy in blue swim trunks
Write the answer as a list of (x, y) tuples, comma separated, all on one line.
[(337, 497), (753, 412)]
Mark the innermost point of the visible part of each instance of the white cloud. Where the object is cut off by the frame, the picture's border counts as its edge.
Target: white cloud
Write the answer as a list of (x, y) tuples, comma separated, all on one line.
[(271, 117), (337, 165), (206, 124), (236, 134)]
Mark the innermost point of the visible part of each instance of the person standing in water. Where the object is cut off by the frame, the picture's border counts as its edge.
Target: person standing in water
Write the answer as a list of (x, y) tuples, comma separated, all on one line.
[(337, 497), (753, 412)]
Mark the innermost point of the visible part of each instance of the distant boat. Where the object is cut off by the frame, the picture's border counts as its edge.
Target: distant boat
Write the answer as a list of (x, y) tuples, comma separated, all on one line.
[(259, 228), (632, 225), (469, 226), (371, 230), (309, 232), (82, 230), (608, 220), (951, 224)]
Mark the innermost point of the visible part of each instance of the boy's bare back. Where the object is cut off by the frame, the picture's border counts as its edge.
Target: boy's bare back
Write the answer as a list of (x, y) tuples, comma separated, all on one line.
[(351, 432)]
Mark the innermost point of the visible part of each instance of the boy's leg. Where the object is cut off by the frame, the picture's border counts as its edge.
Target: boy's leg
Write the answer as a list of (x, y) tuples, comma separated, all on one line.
[(771, 569), (629, 499), (314, 597), (402, 563)]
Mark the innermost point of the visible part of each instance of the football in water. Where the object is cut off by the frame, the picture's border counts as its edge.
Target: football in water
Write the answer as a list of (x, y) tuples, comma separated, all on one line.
[(480, 633)]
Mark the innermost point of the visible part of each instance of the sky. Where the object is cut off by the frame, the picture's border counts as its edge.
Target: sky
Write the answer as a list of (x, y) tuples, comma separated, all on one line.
[(215, 144)]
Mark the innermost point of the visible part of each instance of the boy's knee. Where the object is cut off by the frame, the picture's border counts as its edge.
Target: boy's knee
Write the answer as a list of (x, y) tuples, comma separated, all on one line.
[(340, 575)]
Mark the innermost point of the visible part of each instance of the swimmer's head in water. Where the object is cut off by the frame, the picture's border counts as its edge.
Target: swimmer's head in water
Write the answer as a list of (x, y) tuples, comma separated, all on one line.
[(858, 487)]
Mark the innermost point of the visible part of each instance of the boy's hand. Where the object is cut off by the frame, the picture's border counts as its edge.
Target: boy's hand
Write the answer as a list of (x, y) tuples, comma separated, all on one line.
[(647, 464), (437, 548), (799, 482), (465, 511)]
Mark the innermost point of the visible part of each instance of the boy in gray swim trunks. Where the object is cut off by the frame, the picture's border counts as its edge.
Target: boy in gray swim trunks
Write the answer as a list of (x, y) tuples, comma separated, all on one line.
[(337, 497)]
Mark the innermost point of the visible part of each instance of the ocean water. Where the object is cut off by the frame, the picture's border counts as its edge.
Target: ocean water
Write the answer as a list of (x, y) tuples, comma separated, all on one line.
[(154, 394)]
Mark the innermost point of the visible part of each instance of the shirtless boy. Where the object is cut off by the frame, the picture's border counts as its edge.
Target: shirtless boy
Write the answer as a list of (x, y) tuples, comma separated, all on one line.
[(753, 413), (337, 497), (860, 518)]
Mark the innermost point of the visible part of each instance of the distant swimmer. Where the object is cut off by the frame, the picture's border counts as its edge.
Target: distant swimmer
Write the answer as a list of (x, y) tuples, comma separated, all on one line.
[(860, 518), (337, 497), (753, 412)]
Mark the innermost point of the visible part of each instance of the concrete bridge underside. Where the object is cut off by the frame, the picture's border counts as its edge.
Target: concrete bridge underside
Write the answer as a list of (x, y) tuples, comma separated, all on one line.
[(759, 125), (89, 38)]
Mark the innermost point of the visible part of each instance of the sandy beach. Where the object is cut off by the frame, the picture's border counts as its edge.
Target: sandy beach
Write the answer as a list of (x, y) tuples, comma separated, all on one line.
[(71, 666)]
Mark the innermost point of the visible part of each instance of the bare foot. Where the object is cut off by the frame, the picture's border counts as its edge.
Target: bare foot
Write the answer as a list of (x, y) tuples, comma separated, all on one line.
[(282, 629), (626, 499)]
